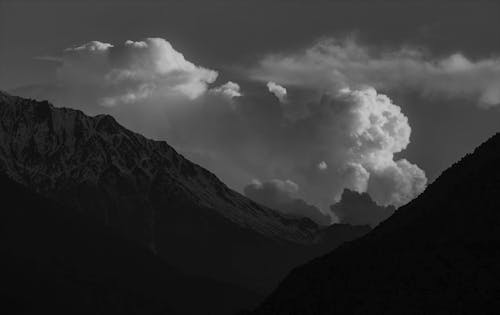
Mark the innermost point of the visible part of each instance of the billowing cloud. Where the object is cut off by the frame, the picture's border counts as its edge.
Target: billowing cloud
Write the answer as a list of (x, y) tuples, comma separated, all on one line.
[(338, 64), (277, 90), (359, 209), (326, 137), (281, 195), (133, 71), (355, 135), (228, 89), (322, 165), (360, 131)]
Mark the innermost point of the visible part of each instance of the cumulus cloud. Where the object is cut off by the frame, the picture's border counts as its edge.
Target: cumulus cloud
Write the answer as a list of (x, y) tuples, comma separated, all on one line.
[(228, 89), (346, 63), (277, 90), (281, 195), (356, 133), (325, 136), (359, 209), (322, 166), (371, 130), (133, 71)]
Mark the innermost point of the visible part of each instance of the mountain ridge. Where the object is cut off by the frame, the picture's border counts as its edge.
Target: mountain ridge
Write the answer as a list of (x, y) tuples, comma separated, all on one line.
[(144, 190), (107, 124)]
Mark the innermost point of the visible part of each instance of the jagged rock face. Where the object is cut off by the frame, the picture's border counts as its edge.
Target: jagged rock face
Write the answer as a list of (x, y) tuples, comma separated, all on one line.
[(439, 254), (149, 193), (63, 151)]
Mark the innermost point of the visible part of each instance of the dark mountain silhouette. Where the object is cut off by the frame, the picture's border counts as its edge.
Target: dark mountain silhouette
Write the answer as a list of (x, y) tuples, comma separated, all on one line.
[(147, 192), (359, 208), (54, 261), (439, 254)]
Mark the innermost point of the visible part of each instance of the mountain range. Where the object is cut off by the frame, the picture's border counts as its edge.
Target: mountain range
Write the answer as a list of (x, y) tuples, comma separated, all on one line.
[(148, 194), (99, 219)]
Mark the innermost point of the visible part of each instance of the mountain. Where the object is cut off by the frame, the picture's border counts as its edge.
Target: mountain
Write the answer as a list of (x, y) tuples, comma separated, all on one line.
[(439, 254), (147, 192), (54, 261)]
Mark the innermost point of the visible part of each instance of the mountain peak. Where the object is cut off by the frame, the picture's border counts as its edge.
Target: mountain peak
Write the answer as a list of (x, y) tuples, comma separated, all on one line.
[(107, 124), (147, 192), (97, 145)]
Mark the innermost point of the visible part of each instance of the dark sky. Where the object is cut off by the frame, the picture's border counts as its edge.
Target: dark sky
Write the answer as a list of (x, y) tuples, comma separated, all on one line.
[(229, 36), (220, 33)]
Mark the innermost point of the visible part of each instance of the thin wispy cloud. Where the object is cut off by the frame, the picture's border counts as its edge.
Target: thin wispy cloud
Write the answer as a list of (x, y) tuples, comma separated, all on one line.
[(334, 64)]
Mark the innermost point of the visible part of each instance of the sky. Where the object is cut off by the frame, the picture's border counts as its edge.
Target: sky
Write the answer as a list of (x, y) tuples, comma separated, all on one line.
[(288, 102)]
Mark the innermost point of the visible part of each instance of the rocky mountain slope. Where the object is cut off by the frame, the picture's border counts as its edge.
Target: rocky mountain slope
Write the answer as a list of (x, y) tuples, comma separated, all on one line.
[(439, 254), (55, 261), (50, 148), (147, 192)]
